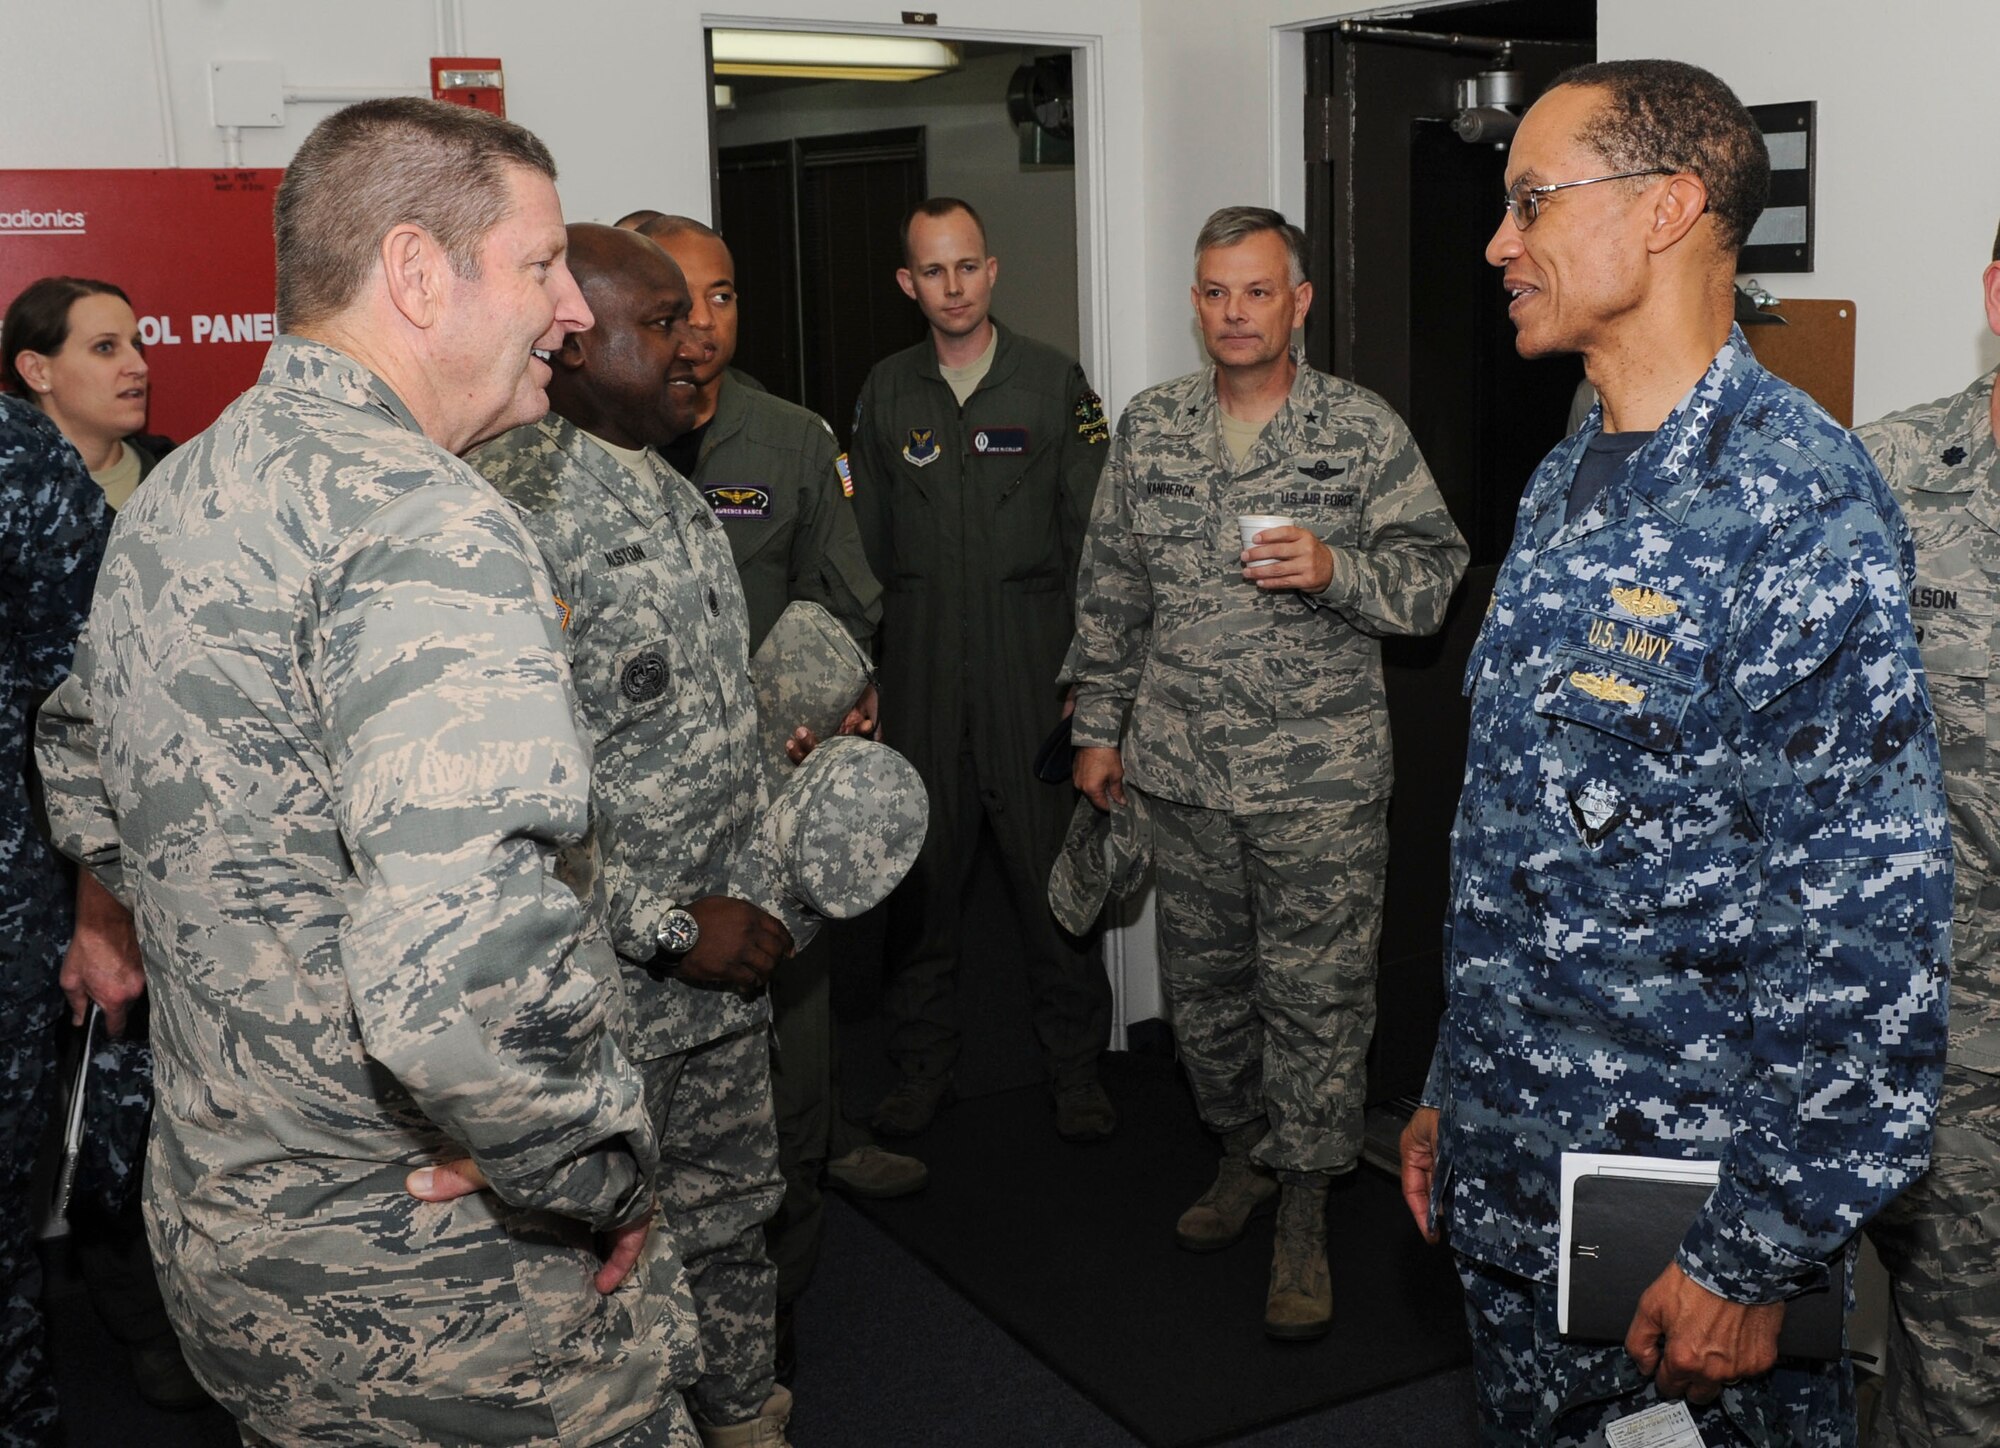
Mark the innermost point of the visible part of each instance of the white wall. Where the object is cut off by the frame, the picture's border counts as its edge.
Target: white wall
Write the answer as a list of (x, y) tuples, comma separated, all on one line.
[(1908, 185), (616, 87), (971, 150)]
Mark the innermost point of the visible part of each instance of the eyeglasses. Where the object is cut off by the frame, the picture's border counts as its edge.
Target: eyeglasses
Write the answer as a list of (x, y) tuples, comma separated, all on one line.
[(1524, 203)]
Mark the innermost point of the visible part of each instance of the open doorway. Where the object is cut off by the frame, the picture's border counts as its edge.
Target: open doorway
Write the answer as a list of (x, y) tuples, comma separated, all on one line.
[(1408, 121), (813, 179)]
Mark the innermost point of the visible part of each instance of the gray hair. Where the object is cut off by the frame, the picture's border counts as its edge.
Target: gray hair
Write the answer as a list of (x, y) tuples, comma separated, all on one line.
[(367, 169), (1233, 224)]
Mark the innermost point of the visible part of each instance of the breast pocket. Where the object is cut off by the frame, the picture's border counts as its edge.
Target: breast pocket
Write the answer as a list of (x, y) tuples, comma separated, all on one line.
[(1954, 635)]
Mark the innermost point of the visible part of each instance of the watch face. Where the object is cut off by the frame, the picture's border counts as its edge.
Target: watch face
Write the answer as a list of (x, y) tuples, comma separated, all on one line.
[(678, 932)]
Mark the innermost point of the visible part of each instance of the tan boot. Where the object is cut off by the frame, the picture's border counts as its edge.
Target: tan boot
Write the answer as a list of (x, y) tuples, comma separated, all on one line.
[(766, 1430), (1300, 1304), (1240, 1190)]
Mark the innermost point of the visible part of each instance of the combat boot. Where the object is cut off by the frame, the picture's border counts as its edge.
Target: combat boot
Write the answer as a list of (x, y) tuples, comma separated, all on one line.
[(1240, 1190), (766, 1430), (911, 1107), (1300, 1304)]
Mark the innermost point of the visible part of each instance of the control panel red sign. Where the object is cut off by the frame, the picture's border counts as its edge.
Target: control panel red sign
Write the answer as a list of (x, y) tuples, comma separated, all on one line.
[(191, 248)]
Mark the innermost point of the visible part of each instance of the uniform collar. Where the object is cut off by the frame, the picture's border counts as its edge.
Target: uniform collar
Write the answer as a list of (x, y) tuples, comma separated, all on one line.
[(1004, 359), (1962, 457), (1198, 413), (301, 365), (732, 410), (645, 498), (1670, 470)]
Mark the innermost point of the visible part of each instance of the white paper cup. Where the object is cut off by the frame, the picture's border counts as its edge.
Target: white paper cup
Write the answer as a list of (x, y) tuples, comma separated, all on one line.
[(1254, 523)]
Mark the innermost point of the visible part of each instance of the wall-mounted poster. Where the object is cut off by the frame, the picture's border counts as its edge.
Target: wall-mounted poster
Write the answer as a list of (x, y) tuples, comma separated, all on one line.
[(191, 248)]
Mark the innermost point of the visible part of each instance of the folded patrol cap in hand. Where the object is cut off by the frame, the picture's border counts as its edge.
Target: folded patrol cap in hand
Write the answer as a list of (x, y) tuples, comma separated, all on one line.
[(1104, 855), (837, 836), (809, 670)]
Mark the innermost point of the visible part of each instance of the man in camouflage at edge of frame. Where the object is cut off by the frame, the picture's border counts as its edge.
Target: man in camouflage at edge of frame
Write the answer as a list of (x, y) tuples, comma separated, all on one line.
[(1701, 867), (658, 637), (320, 737), (1941, 1239), (52, 526), (1239, 690)]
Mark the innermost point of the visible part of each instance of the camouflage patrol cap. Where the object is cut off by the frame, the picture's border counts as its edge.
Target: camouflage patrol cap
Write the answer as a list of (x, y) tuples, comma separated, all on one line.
[(807, 671), (1103, 855), (842, 831)]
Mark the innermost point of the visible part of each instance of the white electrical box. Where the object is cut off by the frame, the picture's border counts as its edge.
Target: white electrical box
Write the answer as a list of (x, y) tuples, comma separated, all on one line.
[(247, 92)]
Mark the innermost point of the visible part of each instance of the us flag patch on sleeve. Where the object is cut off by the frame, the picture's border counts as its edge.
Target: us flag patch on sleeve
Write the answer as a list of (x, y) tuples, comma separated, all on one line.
[(846, 475)]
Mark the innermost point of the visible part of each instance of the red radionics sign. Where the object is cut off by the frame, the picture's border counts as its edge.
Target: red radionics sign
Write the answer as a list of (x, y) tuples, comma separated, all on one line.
[(191, 248)]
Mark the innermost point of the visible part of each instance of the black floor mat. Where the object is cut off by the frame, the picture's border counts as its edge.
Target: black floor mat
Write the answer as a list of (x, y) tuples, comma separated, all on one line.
[(1071, 1249)]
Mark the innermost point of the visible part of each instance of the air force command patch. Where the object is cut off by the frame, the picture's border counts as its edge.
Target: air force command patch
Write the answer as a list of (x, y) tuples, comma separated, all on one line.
[(922, 448), (735, 501)]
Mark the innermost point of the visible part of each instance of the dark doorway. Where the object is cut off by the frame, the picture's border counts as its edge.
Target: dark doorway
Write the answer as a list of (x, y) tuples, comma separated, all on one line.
[(1399, 209), (814, 225)]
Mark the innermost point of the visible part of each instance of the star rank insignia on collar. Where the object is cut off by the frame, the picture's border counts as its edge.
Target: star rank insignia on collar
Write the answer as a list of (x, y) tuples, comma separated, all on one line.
[(1952, 456), (1312, 417)]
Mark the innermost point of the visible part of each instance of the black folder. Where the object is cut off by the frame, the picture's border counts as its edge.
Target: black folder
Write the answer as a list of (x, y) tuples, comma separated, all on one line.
[(1623, 1233)]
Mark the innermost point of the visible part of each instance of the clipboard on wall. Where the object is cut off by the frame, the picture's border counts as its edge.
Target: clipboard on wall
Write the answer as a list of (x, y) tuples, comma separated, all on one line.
[(1814, 351)]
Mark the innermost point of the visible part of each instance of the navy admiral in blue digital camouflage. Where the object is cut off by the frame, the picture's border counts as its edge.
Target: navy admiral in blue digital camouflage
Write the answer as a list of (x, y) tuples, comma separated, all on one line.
[(52, 526), (320, 737), (1941, 1239), (1701, 879)]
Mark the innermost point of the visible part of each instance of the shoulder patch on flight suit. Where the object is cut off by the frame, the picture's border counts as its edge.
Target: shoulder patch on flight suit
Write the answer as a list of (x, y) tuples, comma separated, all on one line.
[(1090, 423), (922, 449), (846, 475), (730, 500)]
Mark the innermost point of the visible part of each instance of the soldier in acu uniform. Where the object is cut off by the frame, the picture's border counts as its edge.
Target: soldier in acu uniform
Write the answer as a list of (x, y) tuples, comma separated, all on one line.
[(771, 472), (320, 738), (1244, 687), (52, 526), (1941, 1239), (1701, 870), (658, 637), (976, 455)]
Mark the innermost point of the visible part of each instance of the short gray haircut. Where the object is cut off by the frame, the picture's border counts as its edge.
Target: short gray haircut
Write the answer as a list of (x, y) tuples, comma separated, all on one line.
[(1233, 224), (367, 169)]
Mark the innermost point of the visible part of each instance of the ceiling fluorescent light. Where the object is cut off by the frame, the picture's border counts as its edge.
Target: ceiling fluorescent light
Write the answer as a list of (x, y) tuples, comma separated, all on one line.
[(830, 57)]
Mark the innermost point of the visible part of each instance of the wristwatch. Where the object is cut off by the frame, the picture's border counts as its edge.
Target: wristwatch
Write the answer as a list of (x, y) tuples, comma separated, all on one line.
[(678, 932)]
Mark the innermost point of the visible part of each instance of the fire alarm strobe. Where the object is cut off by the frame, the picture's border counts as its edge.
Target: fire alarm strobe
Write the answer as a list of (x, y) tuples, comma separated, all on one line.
[(465, 81)]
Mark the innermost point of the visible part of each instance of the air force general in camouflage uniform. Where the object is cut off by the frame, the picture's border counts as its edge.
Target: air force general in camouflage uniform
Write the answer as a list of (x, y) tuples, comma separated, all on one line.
[(1941, 1239), (320, 737), (52, 524), (1253, 722), (1701, 871)]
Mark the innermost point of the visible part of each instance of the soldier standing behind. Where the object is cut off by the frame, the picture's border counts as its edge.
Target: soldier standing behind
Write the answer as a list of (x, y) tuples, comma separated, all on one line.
[(976, 454), (1245, 686), (658, 637), (320, 738), (770, 471), (1941, 1239)]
